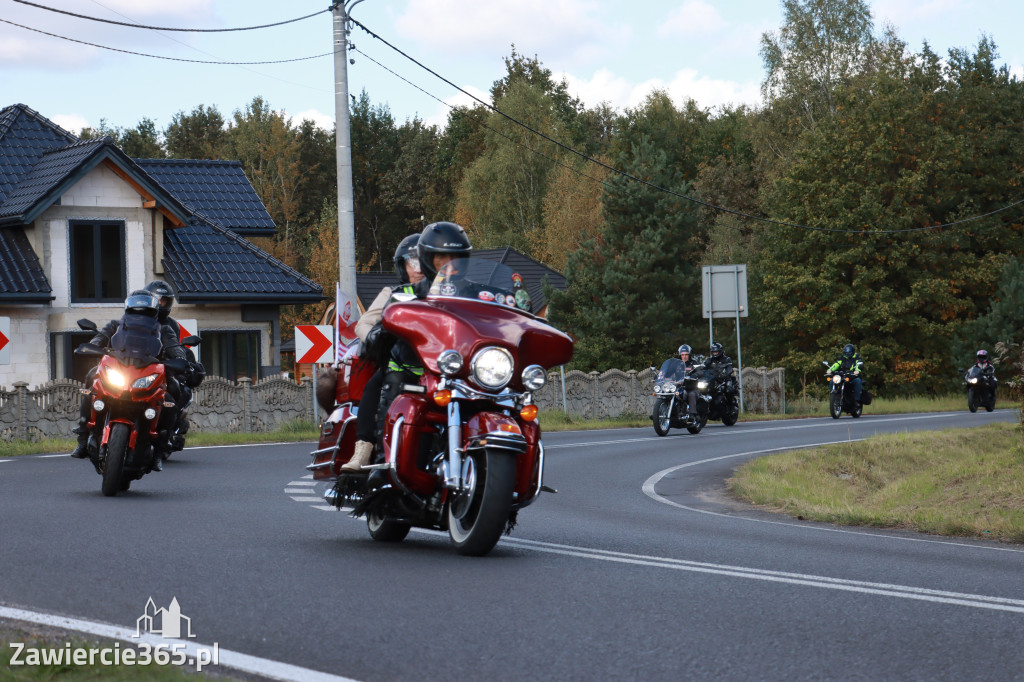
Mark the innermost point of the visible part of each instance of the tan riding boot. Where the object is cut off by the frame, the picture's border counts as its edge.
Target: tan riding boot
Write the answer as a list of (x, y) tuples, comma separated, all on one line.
[(360, 457)]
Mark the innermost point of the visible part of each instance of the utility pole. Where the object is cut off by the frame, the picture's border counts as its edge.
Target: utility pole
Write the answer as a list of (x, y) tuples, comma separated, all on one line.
[(343, 135)]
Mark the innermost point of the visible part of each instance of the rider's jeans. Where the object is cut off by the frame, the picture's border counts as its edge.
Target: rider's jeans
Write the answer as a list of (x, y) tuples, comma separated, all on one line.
[(857, 386)]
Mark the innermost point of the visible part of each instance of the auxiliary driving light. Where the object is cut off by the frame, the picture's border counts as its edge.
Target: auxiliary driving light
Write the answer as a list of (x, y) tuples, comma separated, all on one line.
[(99, 405), (149, 414)]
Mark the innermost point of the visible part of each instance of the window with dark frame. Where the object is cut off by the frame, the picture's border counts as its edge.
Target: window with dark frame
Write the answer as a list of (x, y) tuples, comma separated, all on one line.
[(231, 354), (98, 272)]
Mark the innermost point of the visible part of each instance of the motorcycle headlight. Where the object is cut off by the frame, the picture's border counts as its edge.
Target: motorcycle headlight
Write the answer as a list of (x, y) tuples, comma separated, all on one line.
[(145, 382), (972, 380), (449, 362), (837, 379), (701, 385), (114, 379), (534, 377), (492, 367)]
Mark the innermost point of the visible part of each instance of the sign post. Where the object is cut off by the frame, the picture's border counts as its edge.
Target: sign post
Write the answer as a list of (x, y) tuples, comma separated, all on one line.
[(314, 344), (5, 340), (725, 295)]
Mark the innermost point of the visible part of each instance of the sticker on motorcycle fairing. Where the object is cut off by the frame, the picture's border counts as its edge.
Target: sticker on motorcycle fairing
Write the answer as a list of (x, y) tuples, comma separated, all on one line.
[(486, 296), (448, 289), (499, 298), (523, 299), (517, 281)]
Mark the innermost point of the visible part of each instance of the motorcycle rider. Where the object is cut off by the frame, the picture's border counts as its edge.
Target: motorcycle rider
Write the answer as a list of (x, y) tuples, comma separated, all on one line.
[(139, 303), (369, 331), (180, 389), (717, 360), (850, 361), (691, 396)]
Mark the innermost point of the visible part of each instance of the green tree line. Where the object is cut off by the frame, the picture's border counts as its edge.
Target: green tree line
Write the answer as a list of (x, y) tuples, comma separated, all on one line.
[(834, 186)]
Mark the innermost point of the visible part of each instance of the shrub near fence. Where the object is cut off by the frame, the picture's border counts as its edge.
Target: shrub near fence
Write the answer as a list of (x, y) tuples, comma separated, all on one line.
[(220, 405)]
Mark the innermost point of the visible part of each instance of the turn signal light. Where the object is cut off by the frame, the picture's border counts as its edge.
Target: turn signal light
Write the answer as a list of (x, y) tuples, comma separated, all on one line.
[(529, 412), (442, 398)]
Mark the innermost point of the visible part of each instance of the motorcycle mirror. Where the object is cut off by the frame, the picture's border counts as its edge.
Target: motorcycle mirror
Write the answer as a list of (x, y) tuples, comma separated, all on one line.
[(89, 349), (191, 341), (87, 325), (824, 363)]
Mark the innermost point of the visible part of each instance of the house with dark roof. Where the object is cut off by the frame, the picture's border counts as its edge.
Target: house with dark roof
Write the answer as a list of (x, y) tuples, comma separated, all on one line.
[(82, 225)]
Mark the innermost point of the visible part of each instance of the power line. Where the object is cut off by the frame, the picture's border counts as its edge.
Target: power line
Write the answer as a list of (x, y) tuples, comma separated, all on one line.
[(157, 56), (629, 176), (167, 28)]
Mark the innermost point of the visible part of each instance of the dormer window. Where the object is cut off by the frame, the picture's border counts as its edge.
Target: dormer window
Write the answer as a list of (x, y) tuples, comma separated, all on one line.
[(97, 261)]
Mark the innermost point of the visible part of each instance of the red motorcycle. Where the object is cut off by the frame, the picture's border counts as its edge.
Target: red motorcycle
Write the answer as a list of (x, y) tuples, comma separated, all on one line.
[(462, 447), (128, 394)]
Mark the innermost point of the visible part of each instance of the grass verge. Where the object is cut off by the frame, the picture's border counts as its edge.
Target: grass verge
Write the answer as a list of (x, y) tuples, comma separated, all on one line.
[(956, 482)]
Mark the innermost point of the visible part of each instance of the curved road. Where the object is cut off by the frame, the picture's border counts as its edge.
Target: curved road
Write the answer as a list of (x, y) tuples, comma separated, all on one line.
[(639, 568)]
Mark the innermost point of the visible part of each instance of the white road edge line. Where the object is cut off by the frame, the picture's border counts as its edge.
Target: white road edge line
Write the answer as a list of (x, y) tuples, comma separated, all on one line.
[(231, 659), (651, 482)]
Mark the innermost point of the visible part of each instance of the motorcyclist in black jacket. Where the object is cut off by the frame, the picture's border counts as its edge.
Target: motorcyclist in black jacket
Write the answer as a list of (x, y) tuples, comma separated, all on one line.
[(718, 361), (139, 302)]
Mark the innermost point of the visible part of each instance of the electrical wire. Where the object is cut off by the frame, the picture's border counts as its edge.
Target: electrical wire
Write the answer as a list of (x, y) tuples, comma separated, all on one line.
[(629, 176), (157, 56), (167, 28)]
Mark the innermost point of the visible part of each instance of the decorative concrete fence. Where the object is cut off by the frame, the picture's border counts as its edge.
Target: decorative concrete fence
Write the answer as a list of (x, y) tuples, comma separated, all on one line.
[(614, 392), (51, 410)]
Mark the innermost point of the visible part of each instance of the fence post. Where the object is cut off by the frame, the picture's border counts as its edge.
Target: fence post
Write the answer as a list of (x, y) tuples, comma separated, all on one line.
[(309, 398), (21, 388), (246, 407)]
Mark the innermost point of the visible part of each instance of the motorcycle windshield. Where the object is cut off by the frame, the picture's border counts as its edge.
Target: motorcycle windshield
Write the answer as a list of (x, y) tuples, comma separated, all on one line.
[(672, 369), (137, 340), (473, 303)]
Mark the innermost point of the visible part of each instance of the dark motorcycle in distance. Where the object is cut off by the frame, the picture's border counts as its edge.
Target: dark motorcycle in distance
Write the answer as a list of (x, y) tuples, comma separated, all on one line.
[(724, 391), (841, 394), (981, 388), (670, 405), (462, 447), (128, 395)]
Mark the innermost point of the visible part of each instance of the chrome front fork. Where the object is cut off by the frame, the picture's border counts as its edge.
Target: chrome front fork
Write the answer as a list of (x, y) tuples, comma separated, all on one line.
[(452, 468)]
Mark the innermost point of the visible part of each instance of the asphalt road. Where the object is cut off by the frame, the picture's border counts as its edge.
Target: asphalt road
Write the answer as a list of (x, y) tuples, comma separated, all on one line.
[(639, 568)]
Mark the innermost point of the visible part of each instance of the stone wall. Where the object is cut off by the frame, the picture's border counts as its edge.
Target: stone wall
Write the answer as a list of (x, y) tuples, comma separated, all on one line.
[(219, 405)]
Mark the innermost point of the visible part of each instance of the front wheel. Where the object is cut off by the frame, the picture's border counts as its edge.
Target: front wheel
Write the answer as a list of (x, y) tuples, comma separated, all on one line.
[(477, 515), (662, 416), (113, 467), (699, 420), (732, 414), (383, 530), (972, 400), (835, 404)]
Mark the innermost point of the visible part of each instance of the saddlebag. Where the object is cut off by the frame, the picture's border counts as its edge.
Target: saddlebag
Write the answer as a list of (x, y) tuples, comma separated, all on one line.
[(866, 397)]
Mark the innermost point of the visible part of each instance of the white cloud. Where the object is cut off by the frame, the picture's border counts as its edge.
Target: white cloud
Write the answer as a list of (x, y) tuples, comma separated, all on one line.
[(620, 93), (693, 19), (325, 121), (73, 123)]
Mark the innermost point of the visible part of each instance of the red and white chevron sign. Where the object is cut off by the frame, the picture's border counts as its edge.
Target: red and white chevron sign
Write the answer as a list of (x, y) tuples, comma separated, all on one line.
[(5, 340), (314, 343)]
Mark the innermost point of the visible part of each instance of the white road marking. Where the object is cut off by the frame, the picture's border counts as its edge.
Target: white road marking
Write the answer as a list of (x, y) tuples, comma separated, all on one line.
[(231, 659), (825, 582), (308, 499), (651, 482), (296, 491), (64, 454)]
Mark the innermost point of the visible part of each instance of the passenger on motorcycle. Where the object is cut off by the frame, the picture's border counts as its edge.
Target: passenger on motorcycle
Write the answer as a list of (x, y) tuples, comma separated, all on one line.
[(368, 329), (140, 303), (691, 396), (850, 361), (179, 387)]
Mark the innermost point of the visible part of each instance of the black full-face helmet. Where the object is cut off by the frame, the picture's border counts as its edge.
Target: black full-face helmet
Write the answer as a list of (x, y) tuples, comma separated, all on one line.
[(849, 350), (406, 251), (438, 238), (684, 349), (164, 295), (982, 355), (141, 302), (716, 350)]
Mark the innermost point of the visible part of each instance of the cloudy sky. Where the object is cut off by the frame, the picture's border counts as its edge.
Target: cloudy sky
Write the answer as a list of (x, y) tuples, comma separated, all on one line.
[(614, 52)]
